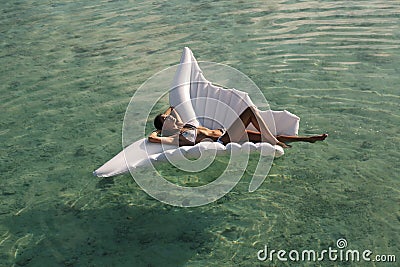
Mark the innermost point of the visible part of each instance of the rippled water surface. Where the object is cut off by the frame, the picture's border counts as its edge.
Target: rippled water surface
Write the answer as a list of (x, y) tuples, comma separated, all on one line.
[(69, 69)]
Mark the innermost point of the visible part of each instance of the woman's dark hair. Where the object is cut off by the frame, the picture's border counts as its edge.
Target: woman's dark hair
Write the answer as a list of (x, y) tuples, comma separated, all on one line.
[(158, 122)]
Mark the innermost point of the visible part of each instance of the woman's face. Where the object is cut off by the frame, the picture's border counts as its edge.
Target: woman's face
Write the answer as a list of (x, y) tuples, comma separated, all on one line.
[(169, 123)]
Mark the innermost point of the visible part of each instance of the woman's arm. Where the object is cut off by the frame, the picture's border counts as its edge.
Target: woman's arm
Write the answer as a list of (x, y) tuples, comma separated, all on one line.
[(168, 140), (168, 111), (172, 111), (176, 115)]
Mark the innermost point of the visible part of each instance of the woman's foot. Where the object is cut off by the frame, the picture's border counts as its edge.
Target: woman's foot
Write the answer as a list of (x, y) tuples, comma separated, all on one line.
[(315, 138), (283, 145)]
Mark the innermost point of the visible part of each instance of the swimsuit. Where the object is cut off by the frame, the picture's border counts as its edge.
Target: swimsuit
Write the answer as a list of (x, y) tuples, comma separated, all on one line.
[(223, 131), (190, 134)]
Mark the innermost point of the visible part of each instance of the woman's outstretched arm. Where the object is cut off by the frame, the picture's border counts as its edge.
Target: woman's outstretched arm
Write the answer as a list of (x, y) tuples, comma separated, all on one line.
[(168, 140)]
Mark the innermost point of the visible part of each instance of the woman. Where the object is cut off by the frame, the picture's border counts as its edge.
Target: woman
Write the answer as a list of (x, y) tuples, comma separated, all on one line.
[(175, 132)]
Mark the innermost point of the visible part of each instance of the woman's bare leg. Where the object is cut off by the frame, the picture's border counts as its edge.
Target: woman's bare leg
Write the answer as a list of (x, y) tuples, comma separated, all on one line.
[(295, 138), (256, 137)]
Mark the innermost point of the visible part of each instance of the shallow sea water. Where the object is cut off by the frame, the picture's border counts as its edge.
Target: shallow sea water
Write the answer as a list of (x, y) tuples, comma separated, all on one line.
[(69, 69)]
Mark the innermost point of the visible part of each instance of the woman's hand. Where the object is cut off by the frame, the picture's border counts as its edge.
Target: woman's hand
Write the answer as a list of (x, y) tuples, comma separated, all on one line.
[(153, 137), (169, 110)]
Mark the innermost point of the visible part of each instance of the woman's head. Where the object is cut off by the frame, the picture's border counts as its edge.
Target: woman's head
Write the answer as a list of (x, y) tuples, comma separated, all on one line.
[(159, 122), (165, 122)]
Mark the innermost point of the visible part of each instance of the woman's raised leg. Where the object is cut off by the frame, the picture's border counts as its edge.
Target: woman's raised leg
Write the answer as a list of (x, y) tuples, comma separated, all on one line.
[(237, 132)]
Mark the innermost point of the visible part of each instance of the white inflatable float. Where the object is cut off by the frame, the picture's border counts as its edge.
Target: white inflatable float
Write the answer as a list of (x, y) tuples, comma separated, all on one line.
[(199, 102)]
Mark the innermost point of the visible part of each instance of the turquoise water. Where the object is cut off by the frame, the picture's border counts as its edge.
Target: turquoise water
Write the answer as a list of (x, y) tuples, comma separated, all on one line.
[(69, 69)]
